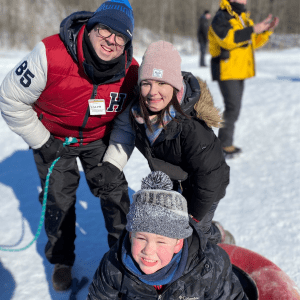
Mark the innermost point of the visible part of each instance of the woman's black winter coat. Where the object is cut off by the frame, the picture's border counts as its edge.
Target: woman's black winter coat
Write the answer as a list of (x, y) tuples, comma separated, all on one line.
[(192, 145), (208, 276)]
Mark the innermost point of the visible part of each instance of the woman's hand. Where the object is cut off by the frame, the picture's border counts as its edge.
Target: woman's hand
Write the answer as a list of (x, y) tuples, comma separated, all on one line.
[(105, 173)]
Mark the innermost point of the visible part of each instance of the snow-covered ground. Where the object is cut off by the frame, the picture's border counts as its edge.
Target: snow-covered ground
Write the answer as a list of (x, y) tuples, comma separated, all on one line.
[(261, 207)]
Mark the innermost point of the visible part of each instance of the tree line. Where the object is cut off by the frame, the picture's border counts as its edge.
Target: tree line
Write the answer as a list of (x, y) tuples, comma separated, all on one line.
[(25, 22)]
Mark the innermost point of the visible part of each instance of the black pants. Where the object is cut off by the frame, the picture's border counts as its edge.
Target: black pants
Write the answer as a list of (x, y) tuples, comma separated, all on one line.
[(232, 91), (60, 215), (208, 228), (205, 224), (202, 54)]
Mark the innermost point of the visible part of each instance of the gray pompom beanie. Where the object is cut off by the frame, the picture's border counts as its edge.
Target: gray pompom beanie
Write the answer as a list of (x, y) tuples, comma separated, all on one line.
[(156, 208)]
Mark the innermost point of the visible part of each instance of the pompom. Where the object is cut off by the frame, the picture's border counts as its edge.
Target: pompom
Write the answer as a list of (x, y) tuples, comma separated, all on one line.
[(157, 180)]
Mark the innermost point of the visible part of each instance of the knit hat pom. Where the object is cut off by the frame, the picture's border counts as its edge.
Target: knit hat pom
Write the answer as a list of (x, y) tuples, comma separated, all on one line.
[(157, 180)]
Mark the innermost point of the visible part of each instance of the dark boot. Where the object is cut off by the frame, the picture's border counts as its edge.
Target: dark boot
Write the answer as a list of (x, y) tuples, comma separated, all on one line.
[(231, 151), (62, 277), (226, 236)]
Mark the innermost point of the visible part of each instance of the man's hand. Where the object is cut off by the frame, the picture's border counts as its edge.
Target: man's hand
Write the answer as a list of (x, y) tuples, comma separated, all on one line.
[(52, 149), (266, 24), (274, 24), (103, 174)]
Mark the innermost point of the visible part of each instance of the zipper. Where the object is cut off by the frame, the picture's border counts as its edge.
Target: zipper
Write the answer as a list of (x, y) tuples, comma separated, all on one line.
[(242, 21), (95, 87), (86, 117)]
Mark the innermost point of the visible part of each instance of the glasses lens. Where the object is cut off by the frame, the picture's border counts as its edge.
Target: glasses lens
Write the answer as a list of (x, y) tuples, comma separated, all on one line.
[(106, 32), (120, 39)]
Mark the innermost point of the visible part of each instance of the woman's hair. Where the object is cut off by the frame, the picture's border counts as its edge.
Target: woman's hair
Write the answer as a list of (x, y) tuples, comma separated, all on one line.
[(160, 115)]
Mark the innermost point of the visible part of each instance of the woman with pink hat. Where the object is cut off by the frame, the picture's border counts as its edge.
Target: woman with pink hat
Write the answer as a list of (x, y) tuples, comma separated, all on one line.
[(170, 122)]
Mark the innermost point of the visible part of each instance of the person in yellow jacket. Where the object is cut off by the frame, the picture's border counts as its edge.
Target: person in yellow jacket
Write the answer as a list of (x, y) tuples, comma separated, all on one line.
[(233, 37)]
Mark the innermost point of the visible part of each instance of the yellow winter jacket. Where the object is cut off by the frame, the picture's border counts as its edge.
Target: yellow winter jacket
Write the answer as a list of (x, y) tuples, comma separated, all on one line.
[(232, 43)]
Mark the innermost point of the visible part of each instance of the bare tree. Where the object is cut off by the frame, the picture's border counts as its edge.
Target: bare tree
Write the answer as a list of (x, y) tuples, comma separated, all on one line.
[(194, 22), (28, 21), (214, 6), (163, 11), (172, 20)]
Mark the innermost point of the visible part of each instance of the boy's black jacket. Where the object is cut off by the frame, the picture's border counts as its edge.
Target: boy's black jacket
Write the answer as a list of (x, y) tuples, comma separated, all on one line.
[(208, 275)]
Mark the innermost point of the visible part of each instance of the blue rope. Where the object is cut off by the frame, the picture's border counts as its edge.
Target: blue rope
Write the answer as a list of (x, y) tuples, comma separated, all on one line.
[(68, 141)]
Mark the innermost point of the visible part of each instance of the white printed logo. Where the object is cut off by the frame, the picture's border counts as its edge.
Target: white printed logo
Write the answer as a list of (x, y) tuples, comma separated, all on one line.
[(157, 73)]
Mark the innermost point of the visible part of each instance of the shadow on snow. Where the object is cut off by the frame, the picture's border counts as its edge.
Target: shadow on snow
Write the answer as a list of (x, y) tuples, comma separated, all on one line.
[(91, 242)]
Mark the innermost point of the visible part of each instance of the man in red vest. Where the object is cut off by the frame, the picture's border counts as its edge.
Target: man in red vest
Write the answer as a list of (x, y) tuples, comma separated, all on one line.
[(74, 84)]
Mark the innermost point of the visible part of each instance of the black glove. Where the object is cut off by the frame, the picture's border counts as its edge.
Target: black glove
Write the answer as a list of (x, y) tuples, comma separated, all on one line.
[(103, 174), (52, 149)]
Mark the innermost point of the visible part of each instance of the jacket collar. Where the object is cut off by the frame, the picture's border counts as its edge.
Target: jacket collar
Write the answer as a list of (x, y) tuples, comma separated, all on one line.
[(202, 240), (196, 243), (225, 5), (192, 92), (70, 28)]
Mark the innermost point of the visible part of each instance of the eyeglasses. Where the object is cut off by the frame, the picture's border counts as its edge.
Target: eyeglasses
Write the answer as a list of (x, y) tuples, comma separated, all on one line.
[(105, 32)]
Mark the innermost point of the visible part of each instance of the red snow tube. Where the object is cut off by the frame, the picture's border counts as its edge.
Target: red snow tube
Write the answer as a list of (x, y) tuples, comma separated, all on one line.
[(270, 281)]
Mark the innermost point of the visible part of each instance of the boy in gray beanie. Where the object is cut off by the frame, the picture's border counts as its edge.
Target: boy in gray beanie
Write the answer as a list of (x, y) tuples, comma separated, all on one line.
[(161, 255)]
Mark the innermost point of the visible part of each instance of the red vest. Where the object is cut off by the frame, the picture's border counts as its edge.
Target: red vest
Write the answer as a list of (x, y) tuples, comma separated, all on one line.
[(63, 105)]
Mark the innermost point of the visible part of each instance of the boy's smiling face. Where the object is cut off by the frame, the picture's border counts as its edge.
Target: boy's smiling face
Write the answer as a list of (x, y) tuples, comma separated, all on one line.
[(152, 251)]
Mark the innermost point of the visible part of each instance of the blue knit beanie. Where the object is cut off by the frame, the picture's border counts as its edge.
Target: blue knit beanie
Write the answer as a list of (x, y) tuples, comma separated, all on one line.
[(116, 14)]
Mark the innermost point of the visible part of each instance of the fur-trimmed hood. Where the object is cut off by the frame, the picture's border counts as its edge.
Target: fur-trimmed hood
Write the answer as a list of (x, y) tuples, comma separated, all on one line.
[(198, 101), (205, 107)]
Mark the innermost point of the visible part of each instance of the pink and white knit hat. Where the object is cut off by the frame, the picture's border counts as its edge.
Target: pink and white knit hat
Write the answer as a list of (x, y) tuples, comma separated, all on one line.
[(161, 62)]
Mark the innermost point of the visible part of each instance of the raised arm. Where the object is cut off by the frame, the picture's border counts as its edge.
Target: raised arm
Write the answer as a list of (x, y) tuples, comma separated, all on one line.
[(229, 35), (264, 30)]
